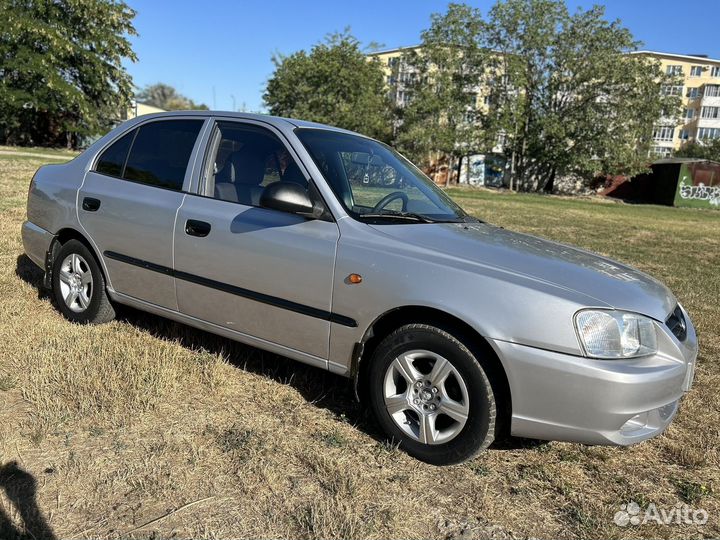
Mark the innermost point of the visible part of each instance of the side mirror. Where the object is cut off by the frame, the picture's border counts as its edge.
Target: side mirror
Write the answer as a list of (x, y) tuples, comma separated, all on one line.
[(290, 197)]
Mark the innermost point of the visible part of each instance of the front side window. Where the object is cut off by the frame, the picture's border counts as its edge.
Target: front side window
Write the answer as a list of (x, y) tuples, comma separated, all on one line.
[(243, 160), (156, 154), (375, 183)]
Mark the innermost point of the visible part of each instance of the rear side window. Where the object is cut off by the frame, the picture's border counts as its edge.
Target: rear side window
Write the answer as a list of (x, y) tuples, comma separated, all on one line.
[(161, 151), (112, 160), (158, 153)]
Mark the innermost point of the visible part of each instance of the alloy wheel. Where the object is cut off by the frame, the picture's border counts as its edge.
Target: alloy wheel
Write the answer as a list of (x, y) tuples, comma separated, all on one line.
[(76, 282), (426, 396)]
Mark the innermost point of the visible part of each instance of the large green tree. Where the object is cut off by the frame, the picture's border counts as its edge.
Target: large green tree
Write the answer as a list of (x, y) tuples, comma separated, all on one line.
[(568, 97), (166, 97), (61, 72), (701, 150), (334, 83), (442, 79)]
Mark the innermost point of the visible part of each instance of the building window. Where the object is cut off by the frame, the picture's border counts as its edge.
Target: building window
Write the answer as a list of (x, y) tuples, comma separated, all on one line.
[(674, 70), (715, 71), (712, 90), (693, 92), (671, 90), (710, 112), (663, 133), (689, 113), (684, 135), (708, 133), (696, 71), (660, 151)]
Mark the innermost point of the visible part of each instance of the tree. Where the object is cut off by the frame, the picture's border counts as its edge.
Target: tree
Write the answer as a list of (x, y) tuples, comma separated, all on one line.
[(442, 79), (334, 83), (568, 98), (61, 72), (166, 97), (707, 150)]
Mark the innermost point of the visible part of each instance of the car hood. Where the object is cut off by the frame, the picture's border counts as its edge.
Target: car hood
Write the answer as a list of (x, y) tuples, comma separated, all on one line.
[(607, 282)]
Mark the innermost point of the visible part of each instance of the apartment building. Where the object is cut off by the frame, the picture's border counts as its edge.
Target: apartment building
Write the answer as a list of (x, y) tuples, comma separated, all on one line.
[(699, 89), (700, 92)]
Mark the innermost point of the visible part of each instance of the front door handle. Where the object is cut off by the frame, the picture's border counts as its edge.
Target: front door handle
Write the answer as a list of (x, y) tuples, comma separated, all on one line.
[(90, 205), (194, 227)]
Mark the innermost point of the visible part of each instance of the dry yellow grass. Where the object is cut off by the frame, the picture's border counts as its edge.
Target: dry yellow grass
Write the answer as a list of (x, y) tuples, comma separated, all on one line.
[(146, 428)]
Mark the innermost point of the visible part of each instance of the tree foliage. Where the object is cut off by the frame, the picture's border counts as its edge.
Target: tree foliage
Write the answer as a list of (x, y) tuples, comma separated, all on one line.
[(570, 98), (442, 78), (166, 97), (708, 150), (61, 72), (334, 83), (562, 94)]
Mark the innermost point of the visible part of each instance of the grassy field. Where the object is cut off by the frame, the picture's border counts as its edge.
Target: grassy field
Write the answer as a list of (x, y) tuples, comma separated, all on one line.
[(146, 428)]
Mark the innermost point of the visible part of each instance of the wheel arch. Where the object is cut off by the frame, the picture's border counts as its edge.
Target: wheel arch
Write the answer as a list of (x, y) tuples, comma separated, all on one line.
[(395, 318), (61, 237)]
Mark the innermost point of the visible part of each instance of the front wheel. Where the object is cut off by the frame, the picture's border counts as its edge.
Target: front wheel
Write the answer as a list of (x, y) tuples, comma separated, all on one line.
[(78, 285), (431, 394)]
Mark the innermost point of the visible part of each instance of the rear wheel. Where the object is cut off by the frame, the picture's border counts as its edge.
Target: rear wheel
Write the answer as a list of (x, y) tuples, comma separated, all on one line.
[(431, 394), (78, 285)]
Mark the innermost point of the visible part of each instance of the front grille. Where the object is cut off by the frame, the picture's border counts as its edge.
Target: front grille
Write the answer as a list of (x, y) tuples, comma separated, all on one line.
[(676, 323)]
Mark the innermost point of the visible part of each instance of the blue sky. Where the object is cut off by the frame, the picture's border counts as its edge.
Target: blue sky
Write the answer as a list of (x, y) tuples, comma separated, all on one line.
[(217, 49)]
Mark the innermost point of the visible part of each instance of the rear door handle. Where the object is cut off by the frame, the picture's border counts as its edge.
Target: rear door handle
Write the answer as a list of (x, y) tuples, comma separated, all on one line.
[(194, 227), (90, 205)]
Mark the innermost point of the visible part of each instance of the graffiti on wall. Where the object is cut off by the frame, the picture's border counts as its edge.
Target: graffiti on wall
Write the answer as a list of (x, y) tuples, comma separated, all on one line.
[(701, 192)]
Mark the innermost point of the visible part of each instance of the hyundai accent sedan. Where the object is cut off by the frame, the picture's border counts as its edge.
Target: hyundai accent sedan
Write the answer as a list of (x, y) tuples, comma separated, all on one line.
[(331, 248)]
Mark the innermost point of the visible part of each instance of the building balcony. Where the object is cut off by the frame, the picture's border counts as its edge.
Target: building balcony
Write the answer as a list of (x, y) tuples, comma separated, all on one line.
[(710, 101), (708, 122)]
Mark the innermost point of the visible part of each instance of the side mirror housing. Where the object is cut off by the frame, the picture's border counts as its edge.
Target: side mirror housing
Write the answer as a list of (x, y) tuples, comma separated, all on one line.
[(290, 197)]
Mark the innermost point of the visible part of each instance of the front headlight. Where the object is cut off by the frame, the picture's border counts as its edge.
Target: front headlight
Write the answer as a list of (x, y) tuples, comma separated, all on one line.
[(615, 334)]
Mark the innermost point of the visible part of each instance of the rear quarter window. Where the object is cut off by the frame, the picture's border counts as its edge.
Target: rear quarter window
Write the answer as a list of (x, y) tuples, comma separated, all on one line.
[(112, 160)]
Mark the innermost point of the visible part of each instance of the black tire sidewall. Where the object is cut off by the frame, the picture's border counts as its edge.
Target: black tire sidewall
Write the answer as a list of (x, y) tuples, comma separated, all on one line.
[(479, 428), (98, 289)]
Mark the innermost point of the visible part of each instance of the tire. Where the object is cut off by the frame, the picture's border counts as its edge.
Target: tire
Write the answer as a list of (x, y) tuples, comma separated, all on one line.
[(76, 275), (410, 397)]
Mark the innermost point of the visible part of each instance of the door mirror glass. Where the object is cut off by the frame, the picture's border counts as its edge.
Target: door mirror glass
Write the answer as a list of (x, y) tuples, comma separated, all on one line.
[(289, 197)]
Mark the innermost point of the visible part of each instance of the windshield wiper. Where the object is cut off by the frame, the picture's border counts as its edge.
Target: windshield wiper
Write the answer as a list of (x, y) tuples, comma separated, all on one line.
[(406, 216)]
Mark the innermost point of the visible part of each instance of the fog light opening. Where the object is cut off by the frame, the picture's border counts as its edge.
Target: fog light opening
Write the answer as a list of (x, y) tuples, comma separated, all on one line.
[(636, 423)]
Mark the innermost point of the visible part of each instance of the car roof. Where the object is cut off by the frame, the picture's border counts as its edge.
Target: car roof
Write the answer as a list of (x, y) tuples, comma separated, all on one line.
[(277, 121)]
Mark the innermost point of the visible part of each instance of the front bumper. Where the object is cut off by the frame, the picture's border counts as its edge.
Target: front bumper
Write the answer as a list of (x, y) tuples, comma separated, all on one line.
[(563, 397)]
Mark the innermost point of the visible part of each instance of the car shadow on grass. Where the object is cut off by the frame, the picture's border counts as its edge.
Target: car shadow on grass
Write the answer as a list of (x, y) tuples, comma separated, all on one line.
[(321, 388), (20, 488), (30, 273)]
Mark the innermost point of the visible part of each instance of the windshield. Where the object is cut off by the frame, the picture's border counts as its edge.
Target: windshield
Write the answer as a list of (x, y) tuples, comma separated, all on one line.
[(375, 183)]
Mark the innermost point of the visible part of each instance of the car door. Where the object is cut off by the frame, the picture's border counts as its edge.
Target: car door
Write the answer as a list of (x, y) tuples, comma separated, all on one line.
[(264, 273), (128, 203)]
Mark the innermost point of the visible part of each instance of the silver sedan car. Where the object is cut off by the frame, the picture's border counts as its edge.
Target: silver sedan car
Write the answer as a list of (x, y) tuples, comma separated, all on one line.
[(330, 248)]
